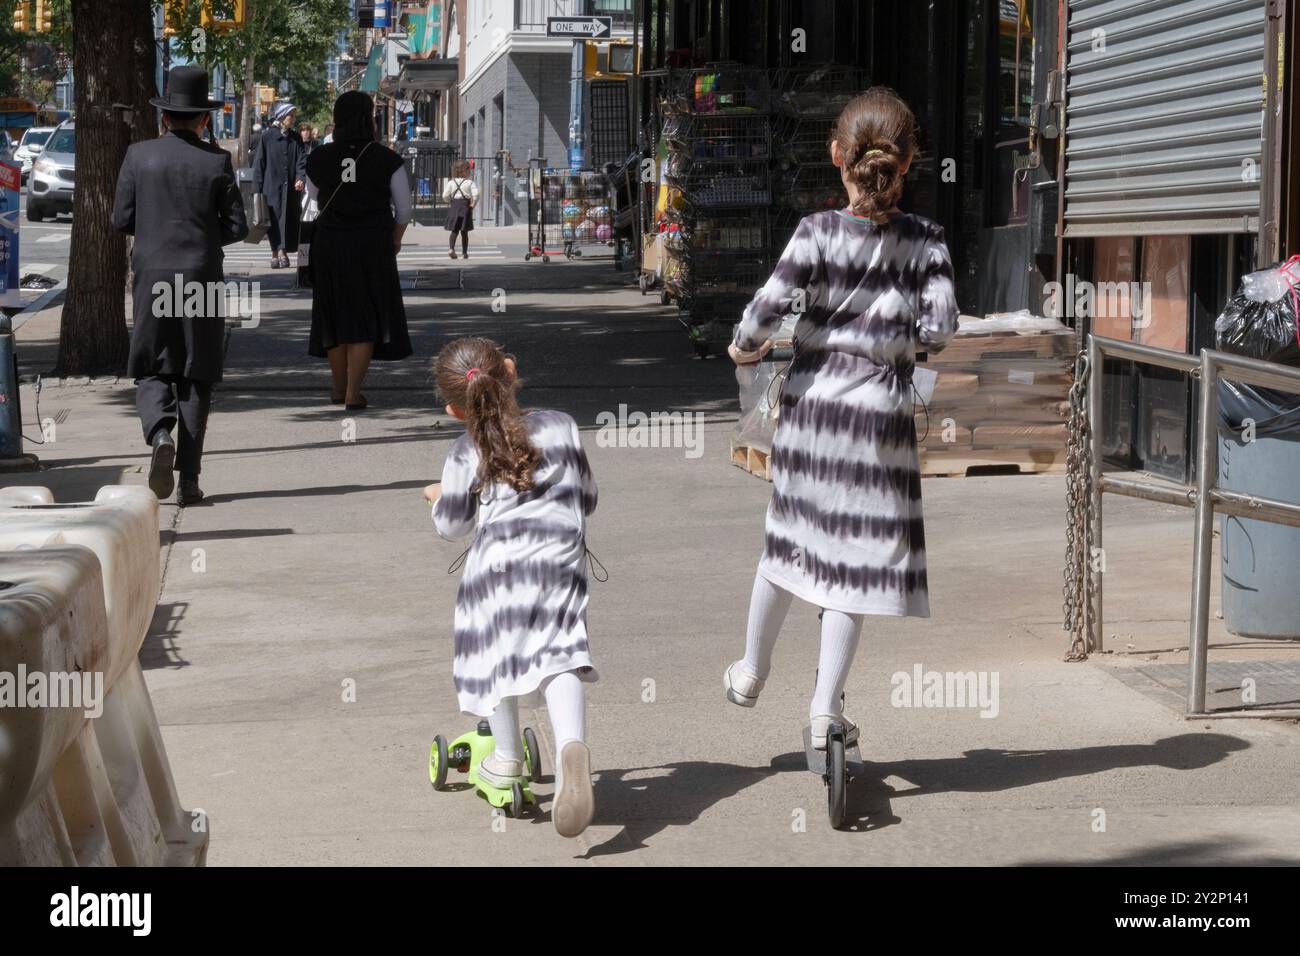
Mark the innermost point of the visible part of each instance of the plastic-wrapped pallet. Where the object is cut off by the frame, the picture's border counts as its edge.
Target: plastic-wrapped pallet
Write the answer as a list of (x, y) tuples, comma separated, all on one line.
[(1001, 398)]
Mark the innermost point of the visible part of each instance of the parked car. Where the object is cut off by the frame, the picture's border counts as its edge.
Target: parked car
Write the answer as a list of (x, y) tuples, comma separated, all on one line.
[(49, 189), (29, 147)]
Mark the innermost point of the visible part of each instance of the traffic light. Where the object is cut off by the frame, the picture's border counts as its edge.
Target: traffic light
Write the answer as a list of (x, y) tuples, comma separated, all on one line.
[(44, 16), (22, 17), (173, 16), (224, 14)]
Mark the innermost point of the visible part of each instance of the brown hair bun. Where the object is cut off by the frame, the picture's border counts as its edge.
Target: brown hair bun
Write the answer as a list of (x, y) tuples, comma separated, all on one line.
[(876, 133)]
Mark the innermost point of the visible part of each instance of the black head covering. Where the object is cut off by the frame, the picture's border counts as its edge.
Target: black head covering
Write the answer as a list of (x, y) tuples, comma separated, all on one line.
[(354, 117)]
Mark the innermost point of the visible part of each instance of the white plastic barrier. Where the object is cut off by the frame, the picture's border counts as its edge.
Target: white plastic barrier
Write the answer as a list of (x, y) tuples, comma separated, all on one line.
[(78, 587)]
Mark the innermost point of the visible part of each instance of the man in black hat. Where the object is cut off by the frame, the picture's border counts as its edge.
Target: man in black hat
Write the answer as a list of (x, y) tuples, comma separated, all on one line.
[(178, 196)]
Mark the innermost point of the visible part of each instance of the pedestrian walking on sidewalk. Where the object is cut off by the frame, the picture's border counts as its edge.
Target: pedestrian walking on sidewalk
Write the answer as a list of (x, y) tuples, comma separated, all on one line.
[(461, 195), (522, 485), (178, 197), (844, 527), (364, 197), (279, 174)]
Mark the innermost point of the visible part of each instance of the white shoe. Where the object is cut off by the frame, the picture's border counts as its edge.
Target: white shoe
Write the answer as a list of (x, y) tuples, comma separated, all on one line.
[(821, 726), (742, 687), (574, 804), (502, 774)]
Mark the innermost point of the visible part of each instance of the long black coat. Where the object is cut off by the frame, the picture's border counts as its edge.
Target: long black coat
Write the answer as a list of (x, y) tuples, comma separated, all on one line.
[(178, 196), (278, 162)]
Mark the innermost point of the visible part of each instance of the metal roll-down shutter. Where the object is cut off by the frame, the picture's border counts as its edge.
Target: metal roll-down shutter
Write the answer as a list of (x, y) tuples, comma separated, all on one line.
[(1164, 116)]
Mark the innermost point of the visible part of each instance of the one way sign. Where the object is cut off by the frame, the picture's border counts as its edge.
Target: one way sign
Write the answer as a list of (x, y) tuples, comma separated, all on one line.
[(594, 27)]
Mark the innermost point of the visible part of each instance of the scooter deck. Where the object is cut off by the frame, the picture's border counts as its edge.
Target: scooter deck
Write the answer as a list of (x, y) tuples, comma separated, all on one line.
[(853, 763)]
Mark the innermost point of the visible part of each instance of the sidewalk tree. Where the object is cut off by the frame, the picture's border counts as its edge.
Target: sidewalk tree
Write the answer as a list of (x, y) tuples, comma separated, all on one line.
[(114, 51), (280, 40)]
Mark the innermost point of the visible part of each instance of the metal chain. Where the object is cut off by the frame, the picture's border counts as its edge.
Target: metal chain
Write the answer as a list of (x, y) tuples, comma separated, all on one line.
[(1079, 579)]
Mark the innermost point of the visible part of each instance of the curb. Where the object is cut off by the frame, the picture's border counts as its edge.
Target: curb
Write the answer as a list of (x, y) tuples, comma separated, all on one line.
[(39, 303)]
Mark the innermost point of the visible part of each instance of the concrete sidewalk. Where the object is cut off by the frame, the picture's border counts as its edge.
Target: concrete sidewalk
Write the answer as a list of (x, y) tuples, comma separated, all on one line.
[(313, 569)]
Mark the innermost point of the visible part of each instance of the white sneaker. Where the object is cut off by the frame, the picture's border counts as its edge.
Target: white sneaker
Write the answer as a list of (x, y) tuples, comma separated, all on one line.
[(502, 774), (821, 726), (742, 687), (574, 804)]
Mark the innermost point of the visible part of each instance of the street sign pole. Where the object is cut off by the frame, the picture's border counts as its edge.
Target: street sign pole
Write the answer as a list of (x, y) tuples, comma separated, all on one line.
[(11, 418), (579, 29)]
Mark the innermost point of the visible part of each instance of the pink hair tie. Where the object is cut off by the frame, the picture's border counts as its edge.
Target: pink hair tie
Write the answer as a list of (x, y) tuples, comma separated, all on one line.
[(469, 376)]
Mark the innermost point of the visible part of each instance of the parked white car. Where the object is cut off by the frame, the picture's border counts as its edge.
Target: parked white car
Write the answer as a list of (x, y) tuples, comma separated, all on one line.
[(50, 188), (30, 147)]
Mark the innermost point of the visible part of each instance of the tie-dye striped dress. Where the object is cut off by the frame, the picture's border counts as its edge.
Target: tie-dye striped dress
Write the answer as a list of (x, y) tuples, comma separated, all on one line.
[(844, 527), (521, 609)]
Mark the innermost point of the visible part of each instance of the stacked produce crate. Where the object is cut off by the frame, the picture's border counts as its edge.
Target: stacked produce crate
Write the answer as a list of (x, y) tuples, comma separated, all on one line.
[(1001, 399)]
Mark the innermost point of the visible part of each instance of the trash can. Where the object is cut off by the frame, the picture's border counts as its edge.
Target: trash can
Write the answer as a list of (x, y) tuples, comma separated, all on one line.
[(1259, 559)]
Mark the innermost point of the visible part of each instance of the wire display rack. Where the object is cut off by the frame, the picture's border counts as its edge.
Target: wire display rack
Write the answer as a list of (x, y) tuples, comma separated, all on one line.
[(568, 209), (717, 125), (806, 104)]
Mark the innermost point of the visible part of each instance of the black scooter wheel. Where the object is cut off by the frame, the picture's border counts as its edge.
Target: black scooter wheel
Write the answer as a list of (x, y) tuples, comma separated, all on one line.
[(533, 754), (836, 781)]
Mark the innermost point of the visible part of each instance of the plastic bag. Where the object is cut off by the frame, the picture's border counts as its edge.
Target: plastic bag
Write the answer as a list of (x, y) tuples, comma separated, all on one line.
[(760, 403), (1272, 414), (1263, 319)]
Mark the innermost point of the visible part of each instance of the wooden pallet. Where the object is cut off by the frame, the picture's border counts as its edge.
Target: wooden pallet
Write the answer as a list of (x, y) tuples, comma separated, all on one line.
[(958, 461), (968, 461), (756, 461)]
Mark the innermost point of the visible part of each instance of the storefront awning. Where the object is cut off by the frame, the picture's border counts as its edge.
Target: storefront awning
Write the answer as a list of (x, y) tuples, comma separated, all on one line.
[(374, 69), (427, 75), (424, 33)]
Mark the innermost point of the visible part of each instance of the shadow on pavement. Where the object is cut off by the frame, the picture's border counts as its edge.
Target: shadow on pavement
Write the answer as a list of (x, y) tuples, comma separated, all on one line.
[(686, 790), (1216, 852)]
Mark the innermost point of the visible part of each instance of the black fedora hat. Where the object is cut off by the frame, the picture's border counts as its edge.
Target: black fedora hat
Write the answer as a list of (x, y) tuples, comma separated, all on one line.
[(187, 92)]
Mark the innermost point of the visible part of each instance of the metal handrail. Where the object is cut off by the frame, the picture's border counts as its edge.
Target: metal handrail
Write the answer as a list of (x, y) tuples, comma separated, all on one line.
[(1205, 495)]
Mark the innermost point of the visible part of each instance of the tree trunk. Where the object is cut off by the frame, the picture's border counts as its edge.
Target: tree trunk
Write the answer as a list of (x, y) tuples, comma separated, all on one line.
[(248, 93), (92, 336), (247, 107)]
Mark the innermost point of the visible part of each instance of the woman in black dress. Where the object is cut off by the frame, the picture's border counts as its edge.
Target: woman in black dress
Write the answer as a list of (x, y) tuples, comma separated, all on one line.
[(364, 199)]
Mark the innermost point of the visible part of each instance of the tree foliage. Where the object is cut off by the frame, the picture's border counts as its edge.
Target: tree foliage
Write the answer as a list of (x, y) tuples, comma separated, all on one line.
[(46, 55), (288, 40)]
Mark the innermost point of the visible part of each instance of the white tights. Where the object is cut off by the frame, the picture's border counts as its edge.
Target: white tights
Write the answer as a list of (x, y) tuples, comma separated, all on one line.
[(566, 703), (768, 606)]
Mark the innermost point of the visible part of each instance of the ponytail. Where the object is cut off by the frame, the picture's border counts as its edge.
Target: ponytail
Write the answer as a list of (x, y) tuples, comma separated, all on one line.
[(472, 374)]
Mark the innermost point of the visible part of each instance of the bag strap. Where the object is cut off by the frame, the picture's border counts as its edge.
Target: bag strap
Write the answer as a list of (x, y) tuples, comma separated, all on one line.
[(340, 185)]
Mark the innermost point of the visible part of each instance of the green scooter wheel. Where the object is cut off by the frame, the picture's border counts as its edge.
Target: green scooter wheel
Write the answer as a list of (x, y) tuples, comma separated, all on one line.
[(438, 763), (532, 756)]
